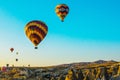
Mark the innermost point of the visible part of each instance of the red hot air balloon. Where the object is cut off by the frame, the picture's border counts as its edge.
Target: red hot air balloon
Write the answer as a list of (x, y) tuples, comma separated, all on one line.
[(11, 49), (3, 69)]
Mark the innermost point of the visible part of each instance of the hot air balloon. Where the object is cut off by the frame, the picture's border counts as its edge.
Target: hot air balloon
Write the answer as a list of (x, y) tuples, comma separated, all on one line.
[(3, 69), (16, 60), (7, 65), (28, 65), (62, 10), (11, 49), (36, 31), (16, 53)]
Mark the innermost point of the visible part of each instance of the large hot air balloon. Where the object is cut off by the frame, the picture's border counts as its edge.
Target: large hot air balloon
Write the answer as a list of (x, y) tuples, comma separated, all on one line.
[(62, 10), (36, 31), (11, 49)]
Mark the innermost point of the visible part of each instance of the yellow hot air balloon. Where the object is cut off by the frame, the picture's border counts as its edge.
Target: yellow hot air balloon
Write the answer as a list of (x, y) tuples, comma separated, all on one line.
[(62, 10), (36, 31)]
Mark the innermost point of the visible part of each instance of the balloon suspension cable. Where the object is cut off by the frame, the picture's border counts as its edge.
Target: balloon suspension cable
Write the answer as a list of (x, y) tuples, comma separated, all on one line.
[(36, 47)]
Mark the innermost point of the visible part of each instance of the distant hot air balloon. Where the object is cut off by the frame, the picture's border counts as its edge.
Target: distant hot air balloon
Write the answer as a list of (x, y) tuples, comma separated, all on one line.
[(16, 53), (36, 31), (62, 10), (28, 65), (7, 65), (11, 49), (3, 69), (16, 60)]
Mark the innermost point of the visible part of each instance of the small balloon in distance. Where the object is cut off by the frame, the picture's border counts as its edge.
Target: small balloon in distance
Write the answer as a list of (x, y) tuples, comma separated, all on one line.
[(62, 11)]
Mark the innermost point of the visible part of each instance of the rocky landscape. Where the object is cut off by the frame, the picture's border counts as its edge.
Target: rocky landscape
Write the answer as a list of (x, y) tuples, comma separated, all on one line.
[(98, 70)]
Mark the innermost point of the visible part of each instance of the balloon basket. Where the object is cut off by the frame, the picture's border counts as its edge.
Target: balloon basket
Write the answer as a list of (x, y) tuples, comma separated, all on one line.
[(36, 47), (62, 20)]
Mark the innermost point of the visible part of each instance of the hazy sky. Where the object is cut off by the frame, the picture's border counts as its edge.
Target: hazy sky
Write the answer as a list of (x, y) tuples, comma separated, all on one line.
[(91, 31)]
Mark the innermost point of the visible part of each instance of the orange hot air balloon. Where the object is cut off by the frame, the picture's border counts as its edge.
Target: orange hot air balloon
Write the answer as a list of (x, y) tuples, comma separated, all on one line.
[(36, 31), (62, 10), (11, 49)]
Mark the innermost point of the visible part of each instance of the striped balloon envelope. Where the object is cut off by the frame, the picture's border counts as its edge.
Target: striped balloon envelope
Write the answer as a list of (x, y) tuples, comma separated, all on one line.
[(36, 31), (62, 10)]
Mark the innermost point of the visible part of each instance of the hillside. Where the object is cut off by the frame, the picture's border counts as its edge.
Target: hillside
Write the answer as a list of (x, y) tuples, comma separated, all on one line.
[(89, 64)]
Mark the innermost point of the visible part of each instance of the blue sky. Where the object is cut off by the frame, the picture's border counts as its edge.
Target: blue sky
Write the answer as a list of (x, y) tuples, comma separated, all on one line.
[(89, 32)]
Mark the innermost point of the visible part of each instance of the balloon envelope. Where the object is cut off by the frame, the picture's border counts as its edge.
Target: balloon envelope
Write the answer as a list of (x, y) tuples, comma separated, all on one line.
[(11, 49), (62, 10), (36, 31), (17, 53), (7, 65), (16, 59), (3, 69)]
